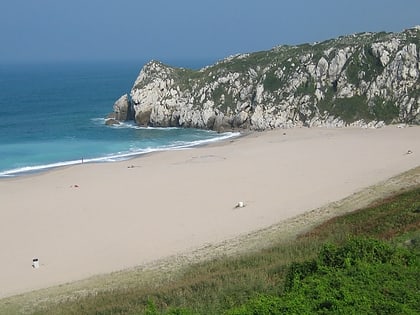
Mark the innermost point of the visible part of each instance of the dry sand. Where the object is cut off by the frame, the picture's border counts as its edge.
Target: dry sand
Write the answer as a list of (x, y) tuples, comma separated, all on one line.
[(98, 218)]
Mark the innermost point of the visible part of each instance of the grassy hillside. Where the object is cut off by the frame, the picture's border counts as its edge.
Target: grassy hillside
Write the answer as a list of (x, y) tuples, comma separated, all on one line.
[(367, 260)]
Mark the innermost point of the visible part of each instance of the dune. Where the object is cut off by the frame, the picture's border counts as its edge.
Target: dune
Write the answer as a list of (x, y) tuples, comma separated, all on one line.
[(92, 219)]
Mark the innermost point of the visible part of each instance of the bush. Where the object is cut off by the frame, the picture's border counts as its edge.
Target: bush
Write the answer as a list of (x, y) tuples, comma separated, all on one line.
[(384, 110), (363, 276), (272, 82)]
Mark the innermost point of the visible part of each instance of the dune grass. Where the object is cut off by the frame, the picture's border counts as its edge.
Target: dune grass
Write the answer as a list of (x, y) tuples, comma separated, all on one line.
[(256, 282)]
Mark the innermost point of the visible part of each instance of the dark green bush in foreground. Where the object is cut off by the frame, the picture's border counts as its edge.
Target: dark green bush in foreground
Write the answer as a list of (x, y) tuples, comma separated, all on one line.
[(364, 276)]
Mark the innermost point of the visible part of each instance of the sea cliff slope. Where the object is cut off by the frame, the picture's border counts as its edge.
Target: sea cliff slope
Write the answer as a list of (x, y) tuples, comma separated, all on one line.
[(366, 79)]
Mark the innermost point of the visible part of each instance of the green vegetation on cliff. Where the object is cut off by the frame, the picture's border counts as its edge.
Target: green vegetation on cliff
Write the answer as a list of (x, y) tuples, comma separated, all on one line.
[(353, 79)]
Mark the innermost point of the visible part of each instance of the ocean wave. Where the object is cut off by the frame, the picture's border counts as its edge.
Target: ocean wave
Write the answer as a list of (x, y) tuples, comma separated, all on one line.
[(130, 125), (223, 136), (36, 168), (119, 156)]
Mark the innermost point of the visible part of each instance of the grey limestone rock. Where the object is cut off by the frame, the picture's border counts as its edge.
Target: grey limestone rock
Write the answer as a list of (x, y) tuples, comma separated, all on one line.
[(122, 109), (360, 80), (111, 121)]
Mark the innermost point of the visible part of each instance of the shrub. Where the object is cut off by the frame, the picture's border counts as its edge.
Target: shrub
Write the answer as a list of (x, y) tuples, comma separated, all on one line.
[(363, 276), (384, 110), (272, 82)]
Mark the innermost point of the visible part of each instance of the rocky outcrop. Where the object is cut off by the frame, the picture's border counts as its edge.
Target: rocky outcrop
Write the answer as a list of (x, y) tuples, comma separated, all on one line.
[(122, 109), (111, 121), (362, 80)]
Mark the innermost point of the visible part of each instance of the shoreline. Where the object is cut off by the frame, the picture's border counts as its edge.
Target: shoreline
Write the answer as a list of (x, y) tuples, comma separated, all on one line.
[(90, 219), (117, 157)]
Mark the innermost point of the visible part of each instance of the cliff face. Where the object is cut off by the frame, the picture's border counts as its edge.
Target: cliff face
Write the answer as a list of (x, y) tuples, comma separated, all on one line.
[(368, 78)]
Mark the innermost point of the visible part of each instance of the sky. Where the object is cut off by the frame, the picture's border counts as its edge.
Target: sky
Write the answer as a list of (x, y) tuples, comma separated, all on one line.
[(183, 30)]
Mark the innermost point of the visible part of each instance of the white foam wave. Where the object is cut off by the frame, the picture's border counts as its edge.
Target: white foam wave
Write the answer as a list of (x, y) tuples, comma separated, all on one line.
[(36, 168), (224, 136), (130, 125), (120, 156), (98, 120)]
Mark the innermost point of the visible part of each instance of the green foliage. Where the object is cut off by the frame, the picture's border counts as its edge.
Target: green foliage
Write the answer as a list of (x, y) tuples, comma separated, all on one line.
[(272, 82), (349, 109), (298, 271), (384, 110), (326, 103), (185, 77), (151, 309), (363, 276), (354, 68), (372, 65), (242, 65), (225, 103), (307, 88), (391, 218), (362, 250), (261, 305)]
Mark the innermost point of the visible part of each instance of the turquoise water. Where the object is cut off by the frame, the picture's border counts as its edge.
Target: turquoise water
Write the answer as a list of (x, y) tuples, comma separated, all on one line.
[(53, 115)]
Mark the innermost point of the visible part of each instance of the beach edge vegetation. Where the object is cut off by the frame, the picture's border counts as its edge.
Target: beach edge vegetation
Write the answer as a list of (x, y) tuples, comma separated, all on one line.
[(368, 260)]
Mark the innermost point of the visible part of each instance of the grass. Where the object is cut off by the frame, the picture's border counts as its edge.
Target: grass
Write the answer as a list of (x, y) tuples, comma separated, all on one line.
[(364, 276), (257, 279), (387, 219)]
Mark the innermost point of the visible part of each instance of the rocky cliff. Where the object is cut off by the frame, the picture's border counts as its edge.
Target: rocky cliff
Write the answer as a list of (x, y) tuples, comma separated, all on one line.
[(361, 79)]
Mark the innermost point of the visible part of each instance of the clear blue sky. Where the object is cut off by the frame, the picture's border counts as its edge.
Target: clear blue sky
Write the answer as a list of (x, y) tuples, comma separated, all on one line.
[(55, 30)]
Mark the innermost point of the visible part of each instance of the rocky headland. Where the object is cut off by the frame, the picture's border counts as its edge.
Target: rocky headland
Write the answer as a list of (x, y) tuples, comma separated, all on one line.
[(366, 79)]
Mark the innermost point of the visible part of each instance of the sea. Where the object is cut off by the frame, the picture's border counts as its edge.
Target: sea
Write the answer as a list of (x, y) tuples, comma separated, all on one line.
[(53, 115)]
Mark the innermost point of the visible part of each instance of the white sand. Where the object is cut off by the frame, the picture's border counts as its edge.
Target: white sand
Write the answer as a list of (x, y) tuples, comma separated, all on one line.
[(172, 202)]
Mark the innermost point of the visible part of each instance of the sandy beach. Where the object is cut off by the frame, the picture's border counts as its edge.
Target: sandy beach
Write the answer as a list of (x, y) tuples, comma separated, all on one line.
[(92, 219)]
